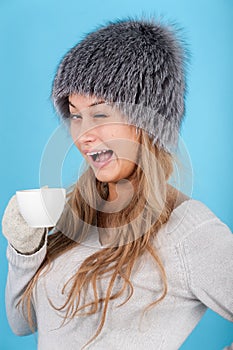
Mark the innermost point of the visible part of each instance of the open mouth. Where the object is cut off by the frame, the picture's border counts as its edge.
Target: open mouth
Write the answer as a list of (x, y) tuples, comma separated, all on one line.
[(101, 156)]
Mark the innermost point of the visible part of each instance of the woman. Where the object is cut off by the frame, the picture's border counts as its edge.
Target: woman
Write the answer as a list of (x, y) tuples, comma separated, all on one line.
[(130, 262)]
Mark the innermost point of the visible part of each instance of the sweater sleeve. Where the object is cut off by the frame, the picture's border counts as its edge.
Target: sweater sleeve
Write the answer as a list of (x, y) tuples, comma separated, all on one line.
[(21, 269), (208, 260)]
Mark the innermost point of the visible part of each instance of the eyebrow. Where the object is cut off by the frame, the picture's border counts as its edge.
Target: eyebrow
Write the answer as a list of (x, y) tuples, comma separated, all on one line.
[(93, 104)]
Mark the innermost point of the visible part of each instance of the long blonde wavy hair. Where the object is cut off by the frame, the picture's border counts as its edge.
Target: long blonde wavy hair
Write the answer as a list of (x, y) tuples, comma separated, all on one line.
[(135, 228)]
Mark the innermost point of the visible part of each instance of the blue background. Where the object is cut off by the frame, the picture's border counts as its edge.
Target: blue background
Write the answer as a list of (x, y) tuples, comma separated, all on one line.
[(36, 34)]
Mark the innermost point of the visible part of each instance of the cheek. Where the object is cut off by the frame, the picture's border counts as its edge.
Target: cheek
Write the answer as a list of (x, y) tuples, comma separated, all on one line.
[(126, 168), (73, 132), (126, 145), (74, 136)]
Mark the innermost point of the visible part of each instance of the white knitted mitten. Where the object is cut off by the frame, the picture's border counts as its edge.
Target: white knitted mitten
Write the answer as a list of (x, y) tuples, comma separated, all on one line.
[(23, 238)]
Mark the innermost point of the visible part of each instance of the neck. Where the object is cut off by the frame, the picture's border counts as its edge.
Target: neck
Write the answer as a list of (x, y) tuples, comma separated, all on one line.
[(120, 190), (120, 196)]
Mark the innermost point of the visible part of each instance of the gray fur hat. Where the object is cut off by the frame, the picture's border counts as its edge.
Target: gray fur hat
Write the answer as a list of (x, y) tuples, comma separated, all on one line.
[(139, 65)]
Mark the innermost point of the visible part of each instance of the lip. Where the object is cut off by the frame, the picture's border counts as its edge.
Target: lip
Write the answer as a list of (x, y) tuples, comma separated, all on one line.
[(99, 165), (93, 150)]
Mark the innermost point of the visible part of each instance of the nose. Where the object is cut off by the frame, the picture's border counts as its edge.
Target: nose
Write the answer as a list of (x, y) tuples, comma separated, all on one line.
[(87, 137), (83, 133)]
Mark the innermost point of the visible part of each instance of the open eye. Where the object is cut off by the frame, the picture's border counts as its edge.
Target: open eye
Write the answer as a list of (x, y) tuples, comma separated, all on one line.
[(75, 116)]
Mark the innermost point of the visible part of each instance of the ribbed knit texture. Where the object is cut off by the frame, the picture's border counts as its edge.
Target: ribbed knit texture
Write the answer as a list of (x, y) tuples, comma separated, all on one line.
[(197, 251)]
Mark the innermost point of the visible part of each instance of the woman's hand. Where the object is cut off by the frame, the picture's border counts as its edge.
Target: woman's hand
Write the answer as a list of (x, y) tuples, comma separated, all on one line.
[(23, 238)]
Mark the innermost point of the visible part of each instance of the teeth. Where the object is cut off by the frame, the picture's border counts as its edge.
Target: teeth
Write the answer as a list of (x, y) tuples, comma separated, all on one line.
[(92, 153)]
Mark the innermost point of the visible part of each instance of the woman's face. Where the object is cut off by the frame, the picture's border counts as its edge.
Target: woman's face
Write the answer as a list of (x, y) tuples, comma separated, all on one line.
[(96, 127)]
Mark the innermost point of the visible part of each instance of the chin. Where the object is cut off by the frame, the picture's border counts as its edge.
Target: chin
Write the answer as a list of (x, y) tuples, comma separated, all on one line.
[(107, 177), (113, 172)]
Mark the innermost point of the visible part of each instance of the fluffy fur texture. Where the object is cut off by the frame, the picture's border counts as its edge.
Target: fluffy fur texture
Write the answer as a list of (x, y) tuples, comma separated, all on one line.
[(139, 65)]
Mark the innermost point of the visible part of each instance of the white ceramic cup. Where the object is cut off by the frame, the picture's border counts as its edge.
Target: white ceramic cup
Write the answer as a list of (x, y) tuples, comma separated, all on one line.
[(41, 207)]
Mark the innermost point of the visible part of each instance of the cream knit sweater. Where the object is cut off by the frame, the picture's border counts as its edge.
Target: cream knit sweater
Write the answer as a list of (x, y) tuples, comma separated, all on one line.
[(197, 251)]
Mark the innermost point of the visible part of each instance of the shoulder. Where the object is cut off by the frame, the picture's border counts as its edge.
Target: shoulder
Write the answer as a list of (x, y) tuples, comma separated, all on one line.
[(205, 253), (191, 216)]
